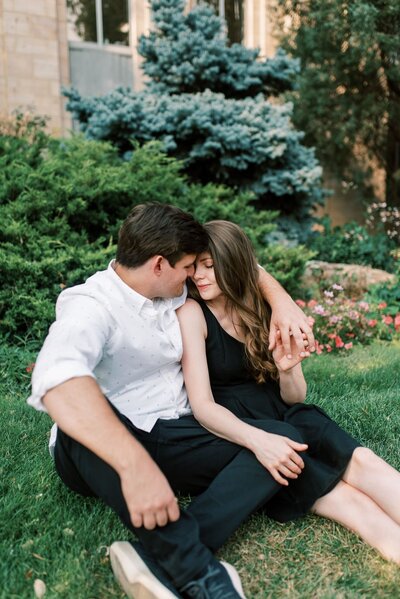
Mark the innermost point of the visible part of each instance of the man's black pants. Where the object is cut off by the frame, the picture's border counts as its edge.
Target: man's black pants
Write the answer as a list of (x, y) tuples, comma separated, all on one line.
[(230, 484)]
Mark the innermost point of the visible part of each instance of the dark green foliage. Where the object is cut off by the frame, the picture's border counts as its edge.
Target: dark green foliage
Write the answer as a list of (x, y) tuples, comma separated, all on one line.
[(61, 204), (353, 244), (349, 85), (189, 53)]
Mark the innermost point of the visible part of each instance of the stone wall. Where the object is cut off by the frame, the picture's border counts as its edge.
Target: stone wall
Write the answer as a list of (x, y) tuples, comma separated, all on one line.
[(34, 59)]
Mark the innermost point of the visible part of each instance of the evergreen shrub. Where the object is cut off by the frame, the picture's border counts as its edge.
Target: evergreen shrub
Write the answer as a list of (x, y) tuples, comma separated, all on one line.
[(61, 204)]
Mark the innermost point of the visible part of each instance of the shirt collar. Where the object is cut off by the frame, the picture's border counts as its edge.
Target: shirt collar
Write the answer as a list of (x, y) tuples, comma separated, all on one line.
[(135, 299)]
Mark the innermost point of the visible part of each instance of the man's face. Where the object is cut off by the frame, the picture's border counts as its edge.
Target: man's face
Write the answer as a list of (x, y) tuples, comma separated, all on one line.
[(174, 277)]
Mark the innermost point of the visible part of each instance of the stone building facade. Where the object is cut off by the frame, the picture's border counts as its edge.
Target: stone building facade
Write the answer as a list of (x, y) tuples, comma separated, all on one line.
[(34, 61)]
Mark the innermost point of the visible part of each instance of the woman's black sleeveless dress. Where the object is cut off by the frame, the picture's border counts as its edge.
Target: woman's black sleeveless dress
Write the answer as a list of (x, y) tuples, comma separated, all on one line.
[(329, 447)]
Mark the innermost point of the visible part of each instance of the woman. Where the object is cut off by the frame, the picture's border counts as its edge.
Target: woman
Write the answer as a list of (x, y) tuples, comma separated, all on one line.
[(242, 392)]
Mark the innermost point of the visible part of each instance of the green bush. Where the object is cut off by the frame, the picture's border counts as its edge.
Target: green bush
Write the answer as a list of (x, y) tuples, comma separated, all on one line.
[(353, 244), (61, 204)]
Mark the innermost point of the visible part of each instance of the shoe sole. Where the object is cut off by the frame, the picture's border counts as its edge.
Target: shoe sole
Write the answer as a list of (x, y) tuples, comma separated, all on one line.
[(133, 574)]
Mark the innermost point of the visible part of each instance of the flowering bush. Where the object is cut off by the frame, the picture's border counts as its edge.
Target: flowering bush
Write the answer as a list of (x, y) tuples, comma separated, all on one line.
[(339, 322), (380, 214)]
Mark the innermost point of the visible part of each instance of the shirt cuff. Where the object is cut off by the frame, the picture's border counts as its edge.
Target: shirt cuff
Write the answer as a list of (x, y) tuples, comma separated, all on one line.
[(53, 377)]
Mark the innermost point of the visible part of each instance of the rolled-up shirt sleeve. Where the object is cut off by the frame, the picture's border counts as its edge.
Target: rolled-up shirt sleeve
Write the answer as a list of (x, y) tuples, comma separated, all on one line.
[(73, 347)]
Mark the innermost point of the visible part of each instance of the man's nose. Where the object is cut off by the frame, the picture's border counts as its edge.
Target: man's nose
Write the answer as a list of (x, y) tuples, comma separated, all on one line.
[(191, 271)]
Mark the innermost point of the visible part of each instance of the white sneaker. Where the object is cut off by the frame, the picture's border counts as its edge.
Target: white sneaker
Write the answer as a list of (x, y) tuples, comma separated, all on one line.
[(134, 576), (235, 578)]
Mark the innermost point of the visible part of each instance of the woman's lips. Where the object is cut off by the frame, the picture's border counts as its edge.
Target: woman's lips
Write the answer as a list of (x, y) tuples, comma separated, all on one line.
[(202, 287)]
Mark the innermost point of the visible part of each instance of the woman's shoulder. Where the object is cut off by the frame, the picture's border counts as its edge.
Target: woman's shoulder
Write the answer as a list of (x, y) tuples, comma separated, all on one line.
[(191, 308), (191, 316)]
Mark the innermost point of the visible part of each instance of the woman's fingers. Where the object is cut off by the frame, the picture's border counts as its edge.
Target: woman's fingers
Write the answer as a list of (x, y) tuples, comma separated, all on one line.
[(279, 479)]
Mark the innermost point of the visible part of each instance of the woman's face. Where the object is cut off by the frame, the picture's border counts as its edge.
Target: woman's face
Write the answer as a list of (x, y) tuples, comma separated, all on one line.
[(204, 277)]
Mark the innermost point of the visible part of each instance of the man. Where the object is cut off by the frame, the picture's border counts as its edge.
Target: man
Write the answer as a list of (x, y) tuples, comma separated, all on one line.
[(109, 375)]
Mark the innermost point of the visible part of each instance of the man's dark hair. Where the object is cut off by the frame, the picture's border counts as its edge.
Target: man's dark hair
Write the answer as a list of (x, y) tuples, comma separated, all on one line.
[(159, 229)]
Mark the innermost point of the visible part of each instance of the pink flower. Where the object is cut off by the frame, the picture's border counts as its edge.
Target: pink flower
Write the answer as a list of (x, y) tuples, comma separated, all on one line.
[(328, 347), (328, 293), (363, 306), (387, 319), (353, 314), (372, 323), (351, 335), (337, 287), (339, 342), (30, 367), (382, 305), (318, 309), (300, 303), (332, 336), (312, 303), (348, 345), (335, 319), (318, 348), (397, 322)]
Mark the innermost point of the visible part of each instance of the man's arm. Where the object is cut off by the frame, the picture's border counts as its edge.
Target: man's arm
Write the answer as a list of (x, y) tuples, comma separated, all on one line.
[(79, 402), (286, 317)]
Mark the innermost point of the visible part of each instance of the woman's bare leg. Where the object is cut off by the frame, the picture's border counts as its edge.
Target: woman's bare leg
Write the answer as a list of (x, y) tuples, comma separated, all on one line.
[(368, 473), (359, 513)]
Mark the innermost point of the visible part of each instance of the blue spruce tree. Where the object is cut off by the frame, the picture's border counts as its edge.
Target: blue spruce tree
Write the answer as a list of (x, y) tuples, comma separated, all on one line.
[(208, 103)]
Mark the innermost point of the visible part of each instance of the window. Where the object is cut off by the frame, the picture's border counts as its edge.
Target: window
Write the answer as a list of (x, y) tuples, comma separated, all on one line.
[(99, 21), (232, 11)]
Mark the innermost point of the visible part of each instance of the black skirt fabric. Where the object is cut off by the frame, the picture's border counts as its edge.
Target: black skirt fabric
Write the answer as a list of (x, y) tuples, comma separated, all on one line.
[(329, 447)]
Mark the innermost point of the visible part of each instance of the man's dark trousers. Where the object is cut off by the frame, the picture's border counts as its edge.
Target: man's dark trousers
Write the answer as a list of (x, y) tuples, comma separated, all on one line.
[(230, 484)]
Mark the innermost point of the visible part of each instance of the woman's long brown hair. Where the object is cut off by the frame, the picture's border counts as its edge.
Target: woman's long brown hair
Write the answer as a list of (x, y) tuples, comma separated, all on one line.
[(237, 273)]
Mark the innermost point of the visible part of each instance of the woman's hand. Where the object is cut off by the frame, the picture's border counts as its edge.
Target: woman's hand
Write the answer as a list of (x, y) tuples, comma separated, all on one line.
[(278, 455), (279, 353)]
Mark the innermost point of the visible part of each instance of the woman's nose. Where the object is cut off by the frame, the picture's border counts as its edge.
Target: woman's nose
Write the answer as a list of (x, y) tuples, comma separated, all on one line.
[(197, 274)]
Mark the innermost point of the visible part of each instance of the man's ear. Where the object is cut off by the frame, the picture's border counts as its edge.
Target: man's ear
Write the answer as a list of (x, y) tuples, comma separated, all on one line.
[(158, 265)]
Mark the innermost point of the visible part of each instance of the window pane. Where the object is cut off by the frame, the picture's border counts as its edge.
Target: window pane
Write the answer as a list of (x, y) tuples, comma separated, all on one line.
[(234, 20), (116, 22), (232, 10), (82, 20)]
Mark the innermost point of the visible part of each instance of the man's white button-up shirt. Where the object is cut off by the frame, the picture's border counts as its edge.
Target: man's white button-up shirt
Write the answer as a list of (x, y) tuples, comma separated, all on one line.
[(131, 345)]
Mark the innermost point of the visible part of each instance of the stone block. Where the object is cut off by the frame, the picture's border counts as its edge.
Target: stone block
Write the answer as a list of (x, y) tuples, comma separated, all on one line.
[(42, 8), (354, 278), (19, 66), (16, 24), (35, 46), (43, 27), (46, 68), (8, 5)]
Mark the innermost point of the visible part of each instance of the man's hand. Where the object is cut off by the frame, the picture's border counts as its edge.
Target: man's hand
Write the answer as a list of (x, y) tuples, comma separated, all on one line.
[(149, 497), (286, 317), (279, 354), (293, 326), (278, 455)]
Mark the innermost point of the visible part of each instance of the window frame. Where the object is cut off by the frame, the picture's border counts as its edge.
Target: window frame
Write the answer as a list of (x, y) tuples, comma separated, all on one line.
[(123, 49)]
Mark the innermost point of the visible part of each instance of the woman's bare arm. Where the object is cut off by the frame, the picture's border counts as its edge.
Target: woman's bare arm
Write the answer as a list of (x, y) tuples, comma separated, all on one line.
[(277, 453)]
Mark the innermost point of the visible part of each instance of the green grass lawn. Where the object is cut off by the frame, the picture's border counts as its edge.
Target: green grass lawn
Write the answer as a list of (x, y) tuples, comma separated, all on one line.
[(49, 533)]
